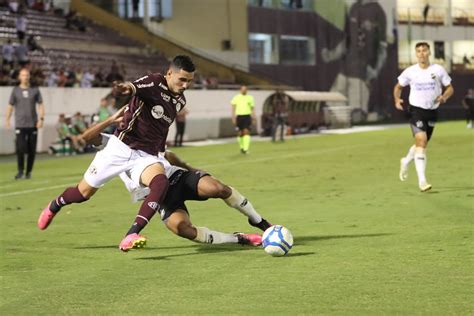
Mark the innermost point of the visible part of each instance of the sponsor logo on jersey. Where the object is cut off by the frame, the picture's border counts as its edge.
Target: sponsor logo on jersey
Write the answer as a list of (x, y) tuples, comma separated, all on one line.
[(174, 101), (145, 85), (165, 97), (153, 205), (162, 86), (433, 76), (178, 107), (25, 93), (158, 112), (419, 124)]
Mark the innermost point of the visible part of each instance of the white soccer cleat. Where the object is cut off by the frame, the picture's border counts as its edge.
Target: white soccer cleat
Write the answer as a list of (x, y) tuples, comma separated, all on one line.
[(424, 187), (403, 170)]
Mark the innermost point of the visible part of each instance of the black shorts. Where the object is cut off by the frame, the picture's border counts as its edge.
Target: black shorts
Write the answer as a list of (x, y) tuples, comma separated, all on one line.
[(422, 120), (244, 122), (183, 187)]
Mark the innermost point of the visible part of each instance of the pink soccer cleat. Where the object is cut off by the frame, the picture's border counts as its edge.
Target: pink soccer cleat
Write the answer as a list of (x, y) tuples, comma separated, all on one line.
[(132, 241), (46, 217), (249, 239)]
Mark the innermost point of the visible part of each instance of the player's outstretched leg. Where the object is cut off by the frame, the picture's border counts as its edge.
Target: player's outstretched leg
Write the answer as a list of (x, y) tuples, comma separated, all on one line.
[(210, 187), (405, 162), (78, 194), (179, 223)]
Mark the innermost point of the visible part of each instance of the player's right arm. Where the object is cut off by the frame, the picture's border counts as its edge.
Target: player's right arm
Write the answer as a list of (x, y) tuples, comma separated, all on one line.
[(8, 115), (397, 95), (142, 87)]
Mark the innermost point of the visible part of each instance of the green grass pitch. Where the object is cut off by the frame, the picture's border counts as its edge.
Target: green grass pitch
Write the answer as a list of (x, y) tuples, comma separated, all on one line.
[(365, 243)]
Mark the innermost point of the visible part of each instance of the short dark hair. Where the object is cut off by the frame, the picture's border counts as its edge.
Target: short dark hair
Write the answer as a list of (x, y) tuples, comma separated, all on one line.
[(183, 62), (422, 44)]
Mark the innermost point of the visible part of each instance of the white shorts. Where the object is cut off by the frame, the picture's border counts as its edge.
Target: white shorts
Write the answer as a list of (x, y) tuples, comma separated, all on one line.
[(116, 158)]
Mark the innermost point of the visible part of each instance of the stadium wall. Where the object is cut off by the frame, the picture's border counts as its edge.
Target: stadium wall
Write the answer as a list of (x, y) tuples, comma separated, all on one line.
[(209, 113)]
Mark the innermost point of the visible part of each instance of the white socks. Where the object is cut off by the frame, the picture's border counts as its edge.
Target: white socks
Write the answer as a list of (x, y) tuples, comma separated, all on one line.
[(207, 236), (420, 164), (410, 155), (239, 202)]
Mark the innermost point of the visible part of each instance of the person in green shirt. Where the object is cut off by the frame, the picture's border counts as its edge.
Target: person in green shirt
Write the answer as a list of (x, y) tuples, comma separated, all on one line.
[(243, 115)]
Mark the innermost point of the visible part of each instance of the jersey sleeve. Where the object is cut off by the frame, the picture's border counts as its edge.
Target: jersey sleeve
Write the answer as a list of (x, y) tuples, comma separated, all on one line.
[(143, 87), (404, 78), (39, 97), (444, 77), (252, 102), (13, 98), (234, 101)]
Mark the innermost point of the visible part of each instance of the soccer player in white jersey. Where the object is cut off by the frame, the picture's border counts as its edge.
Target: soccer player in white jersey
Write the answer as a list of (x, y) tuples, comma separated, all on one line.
[(426, 82)]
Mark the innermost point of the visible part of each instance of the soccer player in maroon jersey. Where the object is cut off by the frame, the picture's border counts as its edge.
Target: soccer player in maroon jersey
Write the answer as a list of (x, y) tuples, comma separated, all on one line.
[(137, 147)]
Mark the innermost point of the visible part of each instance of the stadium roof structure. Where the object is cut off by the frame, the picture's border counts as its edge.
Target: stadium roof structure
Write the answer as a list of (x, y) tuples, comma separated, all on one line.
[(316, 96)]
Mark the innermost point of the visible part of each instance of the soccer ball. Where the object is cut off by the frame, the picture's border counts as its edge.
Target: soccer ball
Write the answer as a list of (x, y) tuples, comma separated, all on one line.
[(277, 240)]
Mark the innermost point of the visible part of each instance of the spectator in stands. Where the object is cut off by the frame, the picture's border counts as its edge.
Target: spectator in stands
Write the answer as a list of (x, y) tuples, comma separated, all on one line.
[(75, 21), (62, 78), (37, 76), (105, 111), (71, 78), (7, 53), (87, 79), (114, 74), (99, 78), (135, 4), (13, 5), (280, 113), (468, 104), (53, 78), (79, 75), (21, 52), (180, 127), (21, 25), (33, 44)]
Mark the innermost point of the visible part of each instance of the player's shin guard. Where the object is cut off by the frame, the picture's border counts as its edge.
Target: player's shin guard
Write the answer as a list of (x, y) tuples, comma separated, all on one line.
[(69, 196), (240, 203), (207, 236), (158, 188), (420, 164)]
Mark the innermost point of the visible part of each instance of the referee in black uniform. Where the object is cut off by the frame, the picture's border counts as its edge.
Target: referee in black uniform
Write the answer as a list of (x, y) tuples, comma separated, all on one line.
[(23, 101)]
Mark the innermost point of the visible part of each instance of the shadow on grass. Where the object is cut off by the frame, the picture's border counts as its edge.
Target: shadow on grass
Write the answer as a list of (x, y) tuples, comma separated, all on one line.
[(302, 240), (204, 249), (115, 247)]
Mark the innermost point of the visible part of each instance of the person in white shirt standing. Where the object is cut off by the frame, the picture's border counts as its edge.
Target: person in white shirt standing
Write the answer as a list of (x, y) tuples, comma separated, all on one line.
[(426, 82)]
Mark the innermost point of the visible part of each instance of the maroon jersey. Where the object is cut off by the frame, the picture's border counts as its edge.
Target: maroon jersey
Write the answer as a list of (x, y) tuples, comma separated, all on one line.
[(149, 114)]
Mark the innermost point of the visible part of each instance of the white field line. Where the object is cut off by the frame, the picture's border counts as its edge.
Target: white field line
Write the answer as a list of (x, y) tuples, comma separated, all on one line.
[(226, 163)]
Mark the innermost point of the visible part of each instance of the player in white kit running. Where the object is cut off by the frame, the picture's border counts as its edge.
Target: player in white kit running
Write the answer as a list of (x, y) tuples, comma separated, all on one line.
[(426, 83)]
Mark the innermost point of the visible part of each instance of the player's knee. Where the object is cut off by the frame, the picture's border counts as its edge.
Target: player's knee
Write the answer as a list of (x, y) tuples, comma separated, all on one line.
[(186, 230), (219, 190)]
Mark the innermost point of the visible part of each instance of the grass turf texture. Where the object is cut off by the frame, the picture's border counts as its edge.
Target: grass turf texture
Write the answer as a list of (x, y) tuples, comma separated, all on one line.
[(365, 243)]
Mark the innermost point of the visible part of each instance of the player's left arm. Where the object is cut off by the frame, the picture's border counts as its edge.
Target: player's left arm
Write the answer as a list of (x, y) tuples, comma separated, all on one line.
[(92, 134), (176, 161), (448, 92), (39, 101)]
